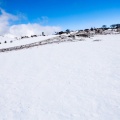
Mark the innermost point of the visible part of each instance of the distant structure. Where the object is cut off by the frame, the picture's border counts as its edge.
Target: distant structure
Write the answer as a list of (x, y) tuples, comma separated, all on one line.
[(22, 37), (33, 35), (118, 30), (43, 34)]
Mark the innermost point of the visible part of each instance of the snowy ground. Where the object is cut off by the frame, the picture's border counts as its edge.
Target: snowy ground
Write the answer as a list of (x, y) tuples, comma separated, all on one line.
[(67, 81)]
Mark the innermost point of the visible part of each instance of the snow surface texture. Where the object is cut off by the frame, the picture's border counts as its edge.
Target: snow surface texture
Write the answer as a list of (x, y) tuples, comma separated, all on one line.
[(67, 81)]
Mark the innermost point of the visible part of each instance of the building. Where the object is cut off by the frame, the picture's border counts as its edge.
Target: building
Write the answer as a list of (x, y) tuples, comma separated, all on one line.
[(118, 30), (107, 32)]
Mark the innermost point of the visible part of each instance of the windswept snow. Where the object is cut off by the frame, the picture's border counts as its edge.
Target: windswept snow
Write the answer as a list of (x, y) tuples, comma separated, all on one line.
[(67, 81)]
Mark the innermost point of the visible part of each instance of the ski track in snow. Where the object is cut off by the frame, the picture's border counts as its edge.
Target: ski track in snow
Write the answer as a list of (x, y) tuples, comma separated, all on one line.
[(73, 81)]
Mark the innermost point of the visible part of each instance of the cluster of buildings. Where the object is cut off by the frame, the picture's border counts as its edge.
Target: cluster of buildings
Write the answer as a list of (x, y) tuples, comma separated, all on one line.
[(91, 32)]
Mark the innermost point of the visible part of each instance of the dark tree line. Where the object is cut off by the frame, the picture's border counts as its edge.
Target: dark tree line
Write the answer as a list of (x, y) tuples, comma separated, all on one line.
[(113, 26)]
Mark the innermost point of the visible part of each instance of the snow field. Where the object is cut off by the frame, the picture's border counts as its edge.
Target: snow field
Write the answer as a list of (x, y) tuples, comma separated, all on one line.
[(67, 81)]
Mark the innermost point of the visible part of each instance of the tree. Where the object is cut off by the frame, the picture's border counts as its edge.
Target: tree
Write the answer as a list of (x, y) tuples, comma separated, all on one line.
[(104, 26), (67, 31), (91, 29), (115, 26)]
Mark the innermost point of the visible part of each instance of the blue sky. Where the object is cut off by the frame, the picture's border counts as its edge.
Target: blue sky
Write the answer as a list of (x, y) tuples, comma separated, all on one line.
[(72, 14)]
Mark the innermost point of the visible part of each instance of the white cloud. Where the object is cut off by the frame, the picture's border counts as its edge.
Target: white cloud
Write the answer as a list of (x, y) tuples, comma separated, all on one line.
[(7, 28), (31, 29), (5, 21)]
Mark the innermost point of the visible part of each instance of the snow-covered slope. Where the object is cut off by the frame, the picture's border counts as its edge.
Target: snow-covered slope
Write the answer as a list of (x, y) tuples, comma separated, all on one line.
[(17, 42), (67, 81), (5, 38)]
